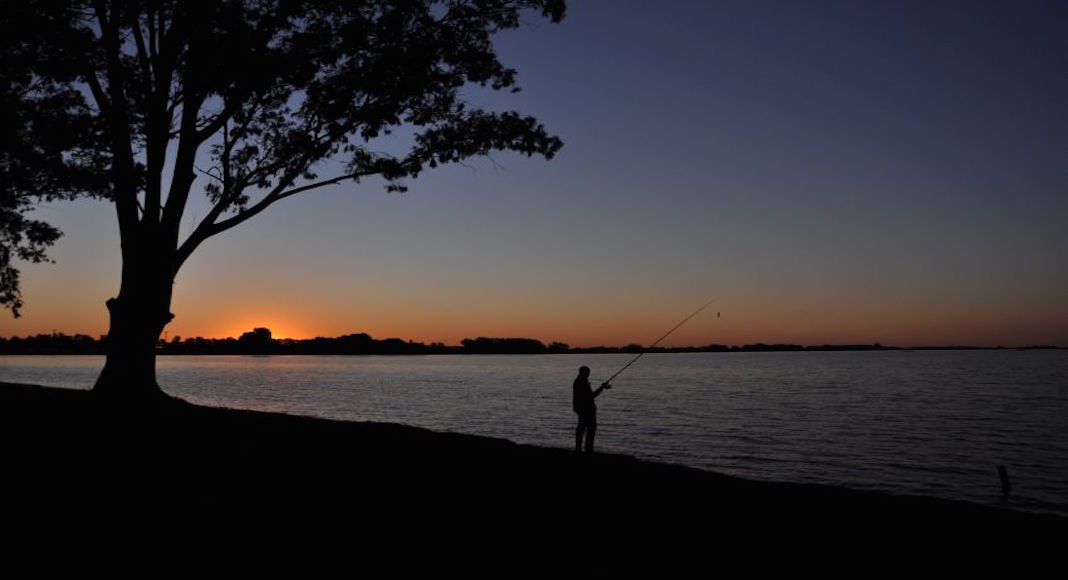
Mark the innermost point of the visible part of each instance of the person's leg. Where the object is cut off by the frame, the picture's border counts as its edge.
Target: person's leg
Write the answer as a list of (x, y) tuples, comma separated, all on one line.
[(578, 433), (591, 431)]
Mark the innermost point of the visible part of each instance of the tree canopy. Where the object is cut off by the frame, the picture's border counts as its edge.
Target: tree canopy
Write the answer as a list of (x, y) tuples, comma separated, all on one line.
[(145, 103), (45, 132)]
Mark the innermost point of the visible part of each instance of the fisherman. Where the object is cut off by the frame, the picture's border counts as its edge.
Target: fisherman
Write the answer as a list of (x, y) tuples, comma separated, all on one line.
[(587, 411)]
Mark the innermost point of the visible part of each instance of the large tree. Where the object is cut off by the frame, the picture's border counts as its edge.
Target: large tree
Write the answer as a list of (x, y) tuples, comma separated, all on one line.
[(241, 101)]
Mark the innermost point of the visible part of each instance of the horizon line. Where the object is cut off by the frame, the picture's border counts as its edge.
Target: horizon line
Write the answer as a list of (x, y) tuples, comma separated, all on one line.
[(628, 346)]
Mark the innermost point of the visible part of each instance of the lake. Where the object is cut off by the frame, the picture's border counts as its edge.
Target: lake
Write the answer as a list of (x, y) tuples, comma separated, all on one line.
[(932, 423)]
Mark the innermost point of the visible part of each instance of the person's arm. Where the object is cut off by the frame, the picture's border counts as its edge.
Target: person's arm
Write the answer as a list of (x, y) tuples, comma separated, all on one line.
[(601, 388)]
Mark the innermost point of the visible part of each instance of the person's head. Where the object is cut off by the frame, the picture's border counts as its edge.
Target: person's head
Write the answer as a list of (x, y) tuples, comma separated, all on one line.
[(584, 371)]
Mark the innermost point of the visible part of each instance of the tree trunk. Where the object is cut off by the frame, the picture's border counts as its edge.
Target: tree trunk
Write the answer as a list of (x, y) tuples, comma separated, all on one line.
[(138, 316)]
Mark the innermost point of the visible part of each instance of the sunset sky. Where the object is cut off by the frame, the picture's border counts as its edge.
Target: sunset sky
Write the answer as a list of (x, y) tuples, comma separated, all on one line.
[(831, 172)]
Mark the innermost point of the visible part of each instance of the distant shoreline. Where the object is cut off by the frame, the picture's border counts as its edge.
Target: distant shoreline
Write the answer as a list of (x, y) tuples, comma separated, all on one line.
[(260, 342)]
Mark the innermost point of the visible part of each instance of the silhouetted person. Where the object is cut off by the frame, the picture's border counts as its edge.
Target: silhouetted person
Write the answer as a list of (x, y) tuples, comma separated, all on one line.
[(586, 408)]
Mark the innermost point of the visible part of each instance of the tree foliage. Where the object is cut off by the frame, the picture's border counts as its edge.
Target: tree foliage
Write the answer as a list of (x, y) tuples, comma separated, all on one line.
[(46, 142), (238, 100)]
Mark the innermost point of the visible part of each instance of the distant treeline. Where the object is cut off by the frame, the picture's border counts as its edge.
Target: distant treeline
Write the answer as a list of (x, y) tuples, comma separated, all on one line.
[(260, 342)]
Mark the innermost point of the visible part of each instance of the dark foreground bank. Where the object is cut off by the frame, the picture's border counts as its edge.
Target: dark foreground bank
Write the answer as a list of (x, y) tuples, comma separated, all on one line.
[(69, 456)]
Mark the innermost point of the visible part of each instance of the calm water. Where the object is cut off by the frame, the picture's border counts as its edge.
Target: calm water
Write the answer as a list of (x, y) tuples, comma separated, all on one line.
[(931, 423)]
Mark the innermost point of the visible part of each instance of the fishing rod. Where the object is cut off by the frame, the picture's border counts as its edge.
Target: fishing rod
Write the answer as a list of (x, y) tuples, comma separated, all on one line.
[(666, 334)]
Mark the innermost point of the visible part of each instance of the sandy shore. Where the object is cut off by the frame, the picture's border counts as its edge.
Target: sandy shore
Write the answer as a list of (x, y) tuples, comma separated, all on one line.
[(69, 457)]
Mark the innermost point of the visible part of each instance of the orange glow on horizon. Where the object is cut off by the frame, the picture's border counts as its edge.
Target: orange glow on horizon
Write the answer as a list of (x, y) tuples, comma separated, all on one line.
[(280, 328), (743, 321)]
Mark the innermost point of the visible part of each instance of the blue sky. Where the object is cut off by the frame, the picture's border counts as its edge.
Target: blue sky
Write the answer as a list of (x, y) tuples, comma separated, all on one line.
[(833, 171)]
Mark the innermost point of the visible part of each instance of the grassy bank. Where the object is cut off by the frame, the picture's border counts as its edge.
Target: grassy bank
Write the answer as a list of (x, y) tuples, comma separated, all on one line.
[(70, 456)]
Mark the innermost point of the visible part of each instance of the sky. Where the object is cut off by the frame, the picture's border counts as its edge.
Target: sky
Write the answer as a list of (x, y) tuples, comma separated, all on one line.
[(828, 172)]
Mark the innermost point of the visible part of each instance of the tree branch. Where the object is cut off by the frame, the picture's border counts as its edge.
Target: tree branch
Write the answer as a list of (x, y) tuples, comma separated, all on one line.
[(208, 173), (142, 52), (98, 93), (157, 127), (217, 123), (176, 101), (123, 171), (153, 38), (183, 176), (208, 228)]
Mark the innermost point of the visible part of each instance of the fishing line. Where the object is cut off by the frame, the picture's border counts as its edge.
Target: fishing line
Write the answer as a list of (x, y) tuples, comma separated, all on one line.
[(666, 334)]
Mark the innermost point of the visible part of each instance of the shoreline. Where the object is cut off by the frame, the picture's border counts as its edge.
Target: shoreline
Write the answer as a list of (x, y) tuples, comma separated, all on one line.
[(260, 342), (209, 462)]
